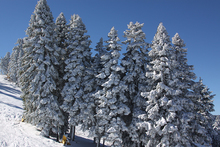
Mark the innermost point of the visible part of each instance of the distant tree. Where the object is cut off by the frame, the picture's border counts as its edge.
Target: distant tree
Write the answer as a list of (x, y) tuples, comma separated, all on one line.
[(19, 62), (77, 65), (14, 63), (134, 62), (112, 103), (39, 72), (97, 58), (5, 63)]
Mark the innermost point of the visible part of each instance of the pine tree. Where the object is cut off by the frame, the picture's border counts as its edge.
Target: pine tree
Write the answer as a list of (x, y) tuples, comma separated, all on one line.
[(216, 127), (21, 54), (39, 72), (97, 63), (77, 65), (170, 102), (14, 63), (200, 131), (97, 67), (62, 33), (111, 100), (205, 119), (89, 88), (97, 58), (180, 60), (134, 62), (5, 63)]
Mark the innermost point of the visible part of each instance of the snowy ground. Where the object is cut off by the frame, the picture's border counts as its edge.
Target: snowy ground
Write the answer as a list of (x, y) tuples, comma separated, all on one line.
[(14, 133)]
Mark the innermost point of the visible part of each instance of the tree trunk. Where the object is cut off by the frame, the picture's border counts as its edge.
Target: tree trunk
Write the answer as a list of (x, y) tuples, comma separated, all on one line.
[(58, 134), (103, 143), (98, 143), (72, 133), (140, 145), (94, 140)]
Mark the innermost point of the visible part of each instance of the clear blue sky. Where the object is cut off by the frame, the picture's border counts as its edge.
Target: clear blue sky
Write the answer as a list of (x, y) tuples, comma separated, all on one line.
[(196, 21)]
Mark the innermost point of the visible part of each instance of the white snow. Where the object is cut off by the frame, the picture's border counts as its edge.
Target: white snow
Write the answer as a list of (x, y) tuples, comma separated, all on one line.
[(14, 133)]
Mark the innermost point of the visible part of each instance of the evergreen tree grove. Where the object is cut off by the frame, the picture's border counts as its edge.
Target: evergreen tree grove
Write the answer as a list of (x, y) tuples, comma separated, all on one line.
[(149, 99)]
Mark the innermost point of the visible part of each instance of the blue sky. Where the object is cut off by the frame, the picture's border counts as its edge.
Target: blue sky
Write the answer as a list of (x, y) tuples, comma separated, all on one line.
[(196, 21)]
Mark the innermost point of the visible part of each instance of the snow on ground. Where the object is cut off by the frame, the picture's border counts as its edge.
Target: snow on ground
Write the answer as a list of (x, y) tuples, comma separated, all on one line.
[(14, 133)]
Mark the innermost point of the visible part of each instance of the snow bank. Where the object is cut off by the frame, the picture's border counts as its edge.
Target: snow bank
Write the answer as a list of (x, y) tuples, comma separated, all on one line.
[(15, 133)]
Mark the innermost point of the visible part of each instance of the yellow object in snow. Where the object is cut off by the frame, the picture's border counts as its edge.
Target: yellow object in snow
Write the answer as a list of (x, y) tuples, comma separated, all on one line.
[(22, 120), (64, 140)]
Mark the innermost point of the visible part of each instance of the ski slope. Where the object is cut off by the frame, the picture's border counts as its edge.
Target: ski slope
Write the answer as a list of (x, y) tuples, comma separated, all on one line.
[(14, 133)]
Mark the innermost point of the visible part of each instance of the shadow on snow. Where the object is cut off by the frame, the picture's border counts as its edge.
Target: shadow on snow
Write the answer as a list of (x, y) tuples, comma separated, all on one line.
[(11, 105), (83, 142), (9, 89), (9, 95)]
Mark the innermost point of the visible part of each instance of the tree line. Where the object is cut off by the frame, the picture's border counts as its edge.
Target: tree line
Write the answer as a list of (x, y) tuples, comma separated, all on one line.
[(148, 98)]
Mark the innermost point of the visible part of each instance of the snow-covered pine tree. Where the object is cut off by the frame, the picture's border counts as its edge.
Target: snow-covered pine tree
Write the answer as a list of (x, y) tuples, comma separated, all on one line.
[(216, 127), (97, 63), (204, 118), (97, 67), (97, 58), (89, 87), (39, 72), (170, 105), (134, 62), (76, 70), (5, 63), (1, 72), (180, 61), (21, 53), (62, 33), (112, 103), (200, 131), (14, 63)]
